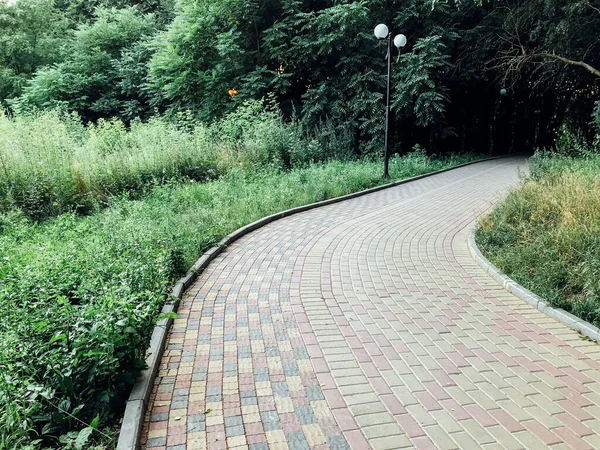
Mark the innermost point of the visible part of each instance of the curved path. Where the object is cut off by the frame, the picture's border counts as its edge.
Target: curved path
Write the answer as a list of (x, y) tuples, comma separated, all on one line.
[(367, 324)]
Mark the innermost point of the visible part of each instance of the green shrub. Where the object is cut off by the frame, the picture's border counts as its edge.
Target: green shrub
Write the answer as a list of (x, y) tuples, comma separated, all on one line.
[(546, 234), (327, 141), (51, 164)]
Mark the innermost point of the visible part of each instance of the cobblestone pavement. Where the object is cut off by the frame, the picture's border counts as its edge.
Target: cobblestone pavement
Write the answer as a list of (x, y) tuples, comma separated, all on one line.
[(367, 324)]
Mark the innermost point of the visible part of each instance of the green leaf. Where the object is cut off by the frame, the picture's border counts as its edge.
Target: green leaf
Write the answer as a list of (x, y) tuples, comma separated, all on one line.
[(59, 336), (83, 437), (170, 315), (95, 422)]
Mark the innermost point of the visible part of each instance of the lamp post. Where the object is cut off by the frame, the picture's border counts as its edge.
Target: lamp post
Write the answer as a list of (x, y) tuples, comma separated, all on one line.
[(382, 32)]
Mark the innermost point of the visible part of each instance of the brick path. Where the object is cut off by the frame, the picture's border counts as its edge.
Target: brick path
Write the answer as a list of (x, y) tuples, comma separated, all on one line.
[(366, 324)]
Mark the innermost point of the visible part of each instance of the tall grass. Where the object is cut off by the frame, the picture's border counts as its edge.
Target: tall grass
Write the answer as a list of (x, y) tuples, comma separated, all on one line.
[(52, 164), (79, 294), (546, 234)]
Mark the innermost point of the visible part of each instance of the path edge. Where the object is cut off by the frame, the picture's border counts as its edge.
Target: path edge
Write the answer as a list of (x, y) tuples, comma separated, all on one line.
[(135, 408), (564, 317)]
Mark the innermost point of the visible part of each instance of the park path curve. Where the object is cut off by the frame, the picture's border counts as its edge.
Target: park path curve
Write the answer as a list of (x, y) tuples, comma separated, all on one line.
[(367, 324)]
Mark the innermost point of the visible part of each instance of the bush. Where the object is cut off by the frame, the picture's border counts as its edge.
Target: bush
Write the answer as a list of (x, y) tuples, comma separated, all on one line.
[(51, 164), (79, 295), (546, 234)]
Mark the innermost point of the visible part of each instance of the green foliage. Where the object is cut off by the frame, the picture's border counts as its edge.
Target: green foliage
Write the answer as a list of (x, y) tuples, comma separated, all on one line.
[(209, 49), (35, 35), (51, 164), (319, 59), (571, 142), (596, 119), (79, 295), (100, 75), (32, 33), (324, 50), (422, 94), (107, 58), (566, 28), (546, 234), (124, 58)]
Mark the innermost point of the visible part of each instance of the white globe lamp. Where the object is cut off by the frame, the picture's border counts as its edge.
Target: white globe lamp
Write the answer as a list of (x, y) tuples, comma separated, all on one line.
[(400, 41), (381, 31)]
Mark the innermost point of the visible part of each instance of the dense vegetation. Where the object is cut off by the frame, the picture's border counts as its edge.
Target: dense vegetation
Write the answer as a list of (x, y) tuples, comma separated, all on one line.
[(138, 132), (546, 234), (52, 164), (130, 59)]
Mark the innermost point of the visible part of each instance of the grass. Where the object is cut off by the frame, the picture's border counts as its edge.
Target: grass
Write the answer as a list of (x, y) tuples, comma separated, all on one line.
[(52, 164), (546, 234), (79, 294)]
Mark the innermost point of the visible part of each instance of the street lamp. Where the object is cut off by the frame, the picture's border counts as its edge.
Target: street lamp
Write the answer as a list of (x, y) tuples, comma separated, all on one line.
[(382, 32)]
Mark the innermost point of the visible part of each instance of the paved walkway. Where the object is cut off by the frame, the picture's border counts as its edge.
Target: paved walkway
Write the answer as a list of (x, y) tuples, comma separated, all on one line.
[(367, 324)]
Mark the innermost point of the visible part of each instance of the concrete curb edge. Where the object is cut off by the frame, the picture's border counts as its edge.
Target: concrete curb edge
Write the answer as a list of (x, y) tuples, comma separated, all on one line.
[(564, 317), (135, 408)]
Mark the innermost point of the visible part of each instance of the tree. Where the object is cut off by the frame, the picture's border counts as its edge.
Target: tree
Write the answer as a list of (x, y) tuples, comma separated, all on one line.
[(552, 46), (212, 47), (32, 34), (550, 37), (323, 64), (95, 79), (317, 57)]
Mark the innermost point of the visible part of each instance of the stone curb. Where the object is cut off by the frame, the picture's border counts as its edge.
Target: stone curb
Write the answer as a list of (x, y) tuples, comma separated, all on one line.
[(564, 317), (133, 419)]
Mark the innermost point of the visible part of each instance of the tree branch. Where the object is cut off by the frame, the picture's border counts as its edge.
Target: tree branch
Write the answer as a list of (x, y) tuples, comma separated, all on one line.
[(571, 62), (587, 3)]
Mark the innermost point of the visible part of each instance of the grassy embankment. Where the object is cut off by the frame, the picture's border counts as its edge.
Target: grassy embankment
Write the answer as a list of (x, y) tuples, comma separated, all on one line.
[(546, 234), (97, 222)]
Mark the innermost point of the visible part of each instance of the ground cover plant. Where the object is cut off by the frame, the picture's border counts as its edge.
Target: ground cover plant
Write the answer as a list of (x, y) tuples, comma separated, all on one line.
[(80, 293), (546, 234)]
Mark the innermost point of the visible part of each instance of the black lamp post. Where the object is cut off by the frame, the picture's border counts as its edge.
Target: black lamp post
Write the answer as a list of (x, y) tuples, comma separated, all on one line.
[(382, 32)]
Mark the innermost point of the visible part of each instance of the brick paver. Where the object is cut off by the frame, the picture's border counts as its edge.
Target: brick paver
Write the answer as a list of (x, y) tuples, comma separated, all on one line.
[(366, 324)]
